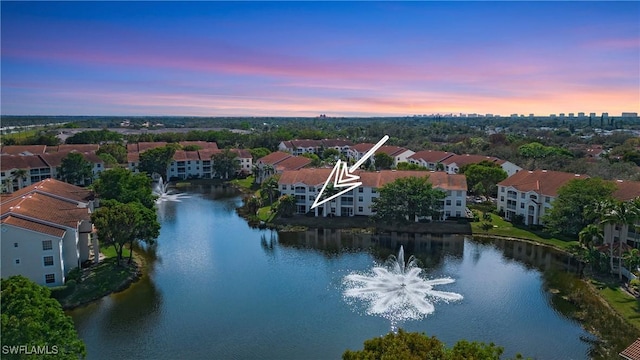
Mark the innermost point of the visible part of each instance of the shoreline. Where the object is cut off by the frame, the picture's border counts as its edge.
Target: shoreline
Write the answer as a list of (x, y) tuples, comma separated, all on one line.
[(136, 270)]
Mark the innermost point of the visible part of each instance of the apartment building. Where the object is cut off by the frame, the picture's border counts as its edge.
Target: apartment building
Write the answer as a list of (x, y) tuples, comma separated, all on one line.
[(37, 167), (431, 159), (530, 193), (46, 231), (306, 146), (625, 191), (397, 153), (453, 163), (305, 185)]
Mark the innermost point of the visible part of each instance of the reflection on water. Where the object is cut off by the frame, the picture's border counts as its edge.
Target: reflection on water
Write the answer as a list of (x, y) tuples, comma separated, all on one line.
[(220, 289)]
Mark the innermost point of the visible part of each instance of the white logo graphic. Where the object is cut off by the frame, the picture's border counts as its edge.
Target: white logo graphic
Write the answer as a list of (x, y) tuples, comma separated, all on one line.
[(343, 177)]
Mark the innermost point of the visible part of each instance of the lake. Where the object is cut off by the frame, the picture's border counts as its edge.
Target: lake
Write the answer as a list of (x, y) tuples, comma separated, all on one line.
[(218, 289)]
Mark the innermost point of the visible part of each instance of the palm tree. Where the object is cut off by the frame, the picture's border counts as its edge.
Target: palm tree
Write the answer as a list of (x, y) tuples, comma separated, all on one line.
[(287, 205), (623, 214), (632, 259), (589, 236), (270, 189), (253, 204), (21, 176), (329, 191)]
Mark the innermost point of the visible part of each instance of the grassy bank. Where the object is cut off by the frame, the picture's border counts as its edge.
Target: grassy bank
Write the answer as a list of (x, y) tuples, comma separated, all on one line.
[(622, 302), (504, 228), (99, 280)]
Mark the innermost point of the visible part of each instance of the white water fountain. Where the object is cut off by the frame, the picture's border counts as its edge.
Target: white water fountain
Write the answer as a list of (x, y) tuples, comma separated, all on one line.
[(397, 292), (161, 190)]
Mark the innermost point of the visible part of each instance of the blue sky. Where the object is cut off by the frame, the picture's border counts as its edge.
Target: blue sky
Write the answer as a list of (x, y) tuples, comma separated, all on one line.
[(311, 58)]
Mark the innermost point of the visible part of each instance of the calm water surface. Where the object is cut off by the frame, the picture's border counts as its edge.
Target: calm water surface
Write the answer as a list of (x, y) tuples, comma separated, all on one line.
[(221, 290)]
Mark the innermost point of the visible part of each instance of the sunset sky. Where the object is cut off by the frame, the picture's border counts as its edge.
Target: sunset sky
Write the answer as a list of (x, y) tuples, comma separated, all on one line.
[(311, 58)]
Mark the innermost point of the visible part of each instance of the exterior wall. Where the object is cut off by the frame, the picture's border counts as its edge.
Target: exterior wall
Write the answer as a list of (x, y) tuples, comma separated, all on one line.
[(615, 233), (429, 165), (282, 147), (510, 168), (70, 251), (30, 254), (531, 205), (359, 201), (402, 157)]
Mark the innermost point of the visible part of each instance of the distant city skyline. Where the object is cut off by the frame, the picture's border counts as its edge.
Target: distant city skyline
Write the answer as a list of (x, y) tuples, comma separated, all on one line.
[(311, 58)]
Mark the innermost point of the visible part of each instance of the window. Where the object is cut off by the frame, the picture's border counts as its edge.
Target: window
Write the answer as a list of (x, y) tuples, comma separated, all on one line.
[(50, 278), (17, 261), (46, 245), (361, 189), (15, 244), (501, 188), (522, 195), (373, 190), (448, 202), (360, 209), (448, 192), (457, 213), (458, 202), (459, 193), (447, 213), (521, 205), (547, 199), (284, 187), (501, 198), (360, 198), (290, 187), (48, 261)]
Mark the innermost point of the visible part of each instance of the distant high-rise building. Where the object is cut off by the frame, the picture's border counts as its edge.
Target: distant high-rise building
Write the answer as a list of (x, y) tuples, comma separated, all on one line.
[(605, 115), (514, 115), (570, 115), (489, 115), (592, 115), (530, 116), (561, 115), (552, 115), (580, 114), (629, 114)]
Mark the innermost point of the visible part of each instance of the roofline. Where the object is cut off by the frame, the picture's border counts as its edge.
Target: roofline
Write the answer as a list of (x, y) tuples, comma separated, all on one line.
[(34, 231)]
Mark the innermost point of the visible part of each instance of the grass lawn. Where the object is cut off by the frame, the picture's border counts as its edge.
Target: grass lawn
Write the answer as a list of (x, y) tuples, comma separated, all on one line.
[(245, 183), (265, 214), (100, 281), (625, 304), (502, 227), (110, 252)]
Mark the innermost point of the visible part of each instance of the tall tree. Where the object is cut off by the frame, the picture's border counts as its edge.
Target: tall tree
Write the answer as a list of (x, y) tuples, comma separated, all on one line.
[(74, 169), (382, 161), (225, 164), (260, 152), (483, 177), (31, 317), (574, 208), (287, 205), (408, 199), (121, 224), (124, 186), (417, 346), (269, 189), (157, 160), (118, 151), (619, 214)]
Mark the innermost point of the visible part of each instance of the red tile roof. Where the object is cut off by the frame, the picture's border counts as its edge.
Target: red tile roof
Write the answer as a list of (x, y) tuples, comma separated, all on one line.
[(34, 226), (243, 153), (431, 156), (274, 157), (632, 352), (391, 150), (317, 177), (541, 181), (304, 143), (336, 142), (133, 157), (55, 188), (293, 163), (55, 159), (363, 147), (10, 162), (626, 190), (74, 147), (202, 144), (144, 146), (45, 208), (18, 149), (467, 159)]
